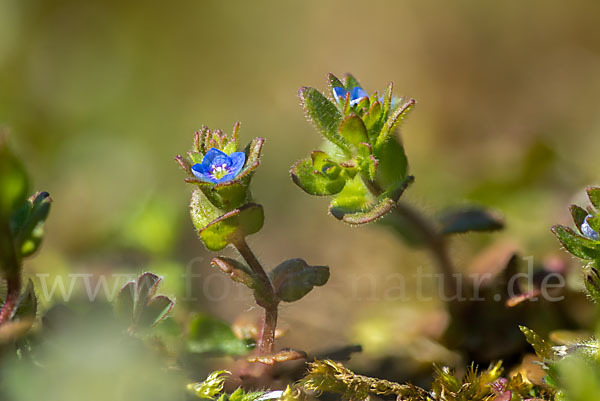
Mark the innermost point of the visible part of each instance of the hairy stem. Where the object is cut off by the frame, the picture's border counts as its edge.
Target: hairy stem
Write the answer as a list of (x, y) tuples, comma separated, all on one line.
[(267, 336)]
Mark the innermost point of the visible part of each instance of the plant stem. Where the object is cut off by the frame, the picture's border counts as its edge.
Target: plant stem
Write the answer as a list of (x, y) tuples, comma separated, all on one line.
[(12, 296), (267, 336), (430, 234), (11, 267), (435, 241)]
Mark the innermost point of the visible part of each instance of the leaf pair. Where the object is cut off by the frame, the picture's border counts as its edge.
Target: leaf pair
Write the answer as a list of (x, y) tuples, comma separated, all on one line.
[(290, 280), (138, 307)]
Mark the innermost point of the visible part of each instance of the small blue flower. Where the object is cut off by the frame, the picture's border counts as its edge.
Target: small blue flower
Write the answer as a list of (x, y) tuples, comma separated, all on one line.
[(356, 94), (218, 167), (588, 231)]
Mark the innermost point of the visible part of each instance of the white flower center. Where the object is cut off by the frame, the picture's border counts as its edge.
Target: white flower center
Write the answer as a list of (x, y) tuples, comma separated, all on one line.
[(219, 171)]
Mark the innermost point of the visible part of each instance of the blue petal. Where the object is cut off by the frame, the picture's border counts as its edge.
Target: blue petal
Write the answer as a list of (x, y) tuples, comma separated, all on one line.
[(339, 92), (588, 231), (215, 157), (201, 173), (237, 162), (357, 94)]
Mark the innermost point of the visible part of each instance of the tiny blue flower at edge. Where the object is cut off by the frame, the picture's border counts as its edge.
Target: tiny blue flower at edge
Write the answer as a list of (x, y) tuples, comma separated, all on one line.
[(588, 231), (218, 167), (356, 94)]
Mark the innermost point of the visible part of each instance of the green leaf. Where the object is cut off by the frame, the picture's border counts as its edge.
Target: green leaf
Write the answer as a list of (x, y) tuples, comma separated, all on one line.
[(591, 279), (240, 273), (594, 195), (324, 115), (369, 215), (237, 271), (353, 130), (27, 224), (202, 211), (393, 121), (373, 120), (253, 152), (470, 219), (155, 310), (314, 182), (354, 197), (124, 303), (294, 278), (334, 82), (207, 335), (26, 307), (228, 195), (579, 246), (541, 347), (392, 163), (238, 223), (372, 211), (351, 82), (387, 100), (321, 161), (579, 214)]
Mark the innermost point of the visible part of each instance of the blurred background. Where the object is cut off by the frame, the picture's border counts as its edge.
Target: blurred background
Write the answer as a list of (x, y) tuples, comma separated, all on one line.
[(101, 95)]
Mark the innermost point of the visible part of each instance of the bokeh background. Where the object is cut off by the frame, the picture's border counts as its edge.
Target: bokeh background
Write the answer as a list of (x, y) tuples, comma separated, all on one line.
[(100, 96)]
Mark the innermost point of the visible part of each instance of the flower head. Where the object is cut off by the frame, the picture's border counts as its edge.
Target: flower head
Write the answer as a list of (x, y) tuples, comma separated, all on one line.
[(356, 94), (588, 231), (217, 166)]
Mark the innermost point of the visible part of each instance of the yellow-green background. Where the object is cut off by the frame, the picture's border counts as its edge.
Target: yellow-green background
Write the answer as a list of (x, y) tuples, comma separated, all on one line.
[(100, 96)]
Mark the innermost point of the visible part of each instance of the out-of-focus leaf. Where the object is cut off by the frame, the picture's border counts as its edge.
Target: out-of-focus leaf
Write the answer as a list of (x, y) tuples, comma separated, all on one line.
[(294, 278), (27, 224), (155, 311), (145, 286), (207, 335), (124, 303), (14, 183), (470, 219)]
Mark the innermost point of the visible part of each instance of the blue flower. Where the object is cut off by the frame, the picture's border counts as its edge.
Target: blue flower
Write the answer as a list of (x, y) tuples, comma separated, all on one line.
[(588, 231), (356, 94), (218, 167)]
